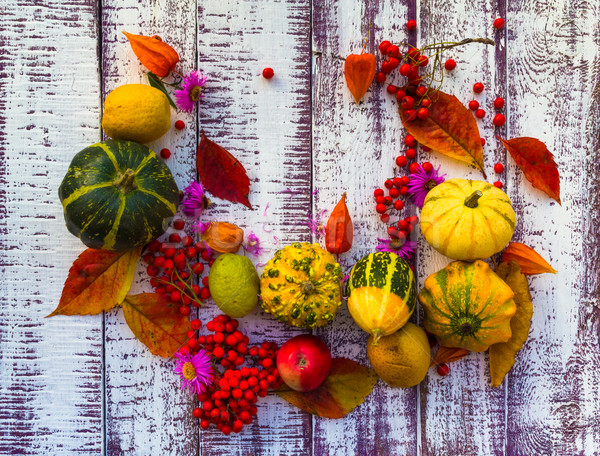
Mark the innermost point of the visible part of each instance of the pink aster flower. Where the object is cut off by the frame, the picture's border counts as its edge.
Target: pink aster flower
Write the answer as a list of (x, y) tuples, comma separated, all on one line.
[(196, 371), (252, 245), (401, 247), (194, 201), (191, 91), (421, 182)]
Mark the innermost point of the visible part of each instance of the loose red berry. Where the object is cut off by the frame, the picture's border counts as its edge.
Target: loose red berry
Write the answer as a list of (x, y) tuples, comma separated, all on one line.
[(165, 153), (410, 141), (473, 105), (480, 113), (427, 167), (407, 102), (423, 113), (478, 87), (411, 25), (378, 192), (393, 51), (414, 167), (405, 180), (499, 103), (197, 413), (384, 46), (401, 161), (426, 103), (411, 114), (174, 238), (423, 61), (394, 62), (405, 69), (204, 293), (397, 182), (498, 184), (483, 141), (411, 153), (499, 23), (196, 324), (380, 200), (413, 54), (388, 183), (392, 231), (180, 125), (499, 120), (394, 193), (421, 91), (184, 310), (385, 218), (380, 77), (400, 94), (391, 89), (443, 370), (499, 168), (268, 73), (381, 208), (398, 205), (413, 220), (152, 270), (450, 64), (386, 67)]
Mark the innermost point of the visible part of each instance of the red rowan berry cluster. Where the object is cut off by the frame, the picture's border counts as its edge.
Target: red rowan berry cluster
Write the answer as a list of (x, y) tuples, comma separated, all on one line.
[(173, 265), (242, 374)]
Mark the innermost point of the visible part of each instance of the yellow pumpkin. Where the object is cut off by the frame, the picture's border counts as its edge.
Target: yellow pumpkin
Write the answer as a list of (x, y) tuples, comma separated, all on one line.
[(468, 306), (301, 285), (467, 219)]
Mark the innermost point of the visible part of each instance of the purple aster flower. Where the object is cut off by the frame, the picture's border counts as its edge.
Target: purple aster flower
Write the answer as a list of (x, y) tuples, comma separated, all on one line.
[(316, 224), (253, 245), (421, 182), (191, 91), (401, 247), (196, 371), (200, 227), (194, 201)]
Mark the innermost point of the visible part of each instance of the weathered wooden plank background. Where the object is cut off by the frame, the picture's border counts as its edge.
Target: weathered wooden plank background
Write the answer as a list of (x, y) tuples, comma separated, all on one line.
[(71, 386)]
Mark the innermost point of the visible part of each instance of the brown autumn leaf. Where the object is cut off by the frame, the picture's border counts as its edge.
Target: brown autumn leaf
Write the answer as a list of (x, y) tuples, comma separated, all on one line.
[(98, 281), (537, 163), (223, 237), (157, 56), (359, 70), (446, 355), (221, 173), (339, 232), (347, 386), (450, 130), (530, 261), (502, 355), (156, 322)]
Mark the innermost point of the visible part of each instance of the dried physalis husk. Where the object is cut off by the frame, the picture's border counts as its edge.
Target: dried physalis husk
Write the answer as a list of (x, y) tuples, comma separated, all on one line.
[(224, 237)]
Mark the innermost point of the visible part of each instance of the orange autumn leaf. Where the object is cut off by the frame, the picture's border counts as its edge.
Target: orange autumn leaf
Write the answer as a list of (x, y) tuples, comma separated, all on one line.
[(339, 232), (346, 387), (537, 163), (157, 322), (446, 355), (359, 70), (156, 55), (530, 261), (98, 281), (450, 129), (224, 237)]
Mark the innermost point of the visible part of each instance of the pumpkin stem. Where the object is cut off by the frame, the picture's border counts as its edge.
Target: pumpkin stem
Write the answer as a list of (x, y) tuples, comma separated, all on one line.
[(472, 200), (126, 181), (377, 333), (308, 287)]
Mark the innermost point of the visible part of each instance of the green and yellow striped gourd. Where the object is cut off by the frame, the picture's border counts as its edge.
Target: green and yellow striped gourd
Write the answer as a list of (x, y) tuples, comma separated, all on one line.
[(117, 194)]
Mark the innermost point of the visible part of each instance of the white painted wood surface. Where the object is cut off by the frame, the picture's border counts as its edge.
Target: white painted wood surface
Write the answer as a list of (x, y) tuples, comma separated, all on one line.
[(85, 385)]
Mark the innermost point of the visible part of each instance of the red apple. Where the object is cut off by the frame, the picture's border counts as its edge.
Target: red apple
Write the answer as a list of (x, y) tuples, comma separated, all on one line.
[(304, 362)]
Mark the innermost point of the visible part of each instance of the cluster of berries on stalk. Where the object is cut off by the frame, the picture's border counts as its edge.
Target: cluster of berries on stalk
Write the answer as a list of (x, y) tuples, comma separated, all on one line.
[(173, 266), (242, 374)]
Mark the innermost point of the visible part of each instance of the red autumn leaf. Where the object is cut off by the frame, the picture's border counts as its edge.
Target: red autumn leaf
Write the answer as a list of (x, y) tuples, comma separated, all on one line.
[(359, 70), (530, 261), (450, 130), (344, 389), (446, 355), (156, 322), (339, 232), (221, 173), (537, 163), (98, 281)]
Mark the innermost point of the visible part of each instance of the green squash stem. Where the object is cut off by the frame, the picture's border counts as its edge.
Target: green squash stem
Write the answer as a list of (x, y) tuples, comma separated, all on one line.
[(472, 200), (126, 182)]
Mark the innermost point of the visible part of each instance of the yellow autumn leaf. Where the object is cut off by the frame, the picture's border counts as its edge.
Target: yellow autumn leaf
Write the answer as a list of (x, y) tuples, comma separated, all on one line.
[(502, 356)]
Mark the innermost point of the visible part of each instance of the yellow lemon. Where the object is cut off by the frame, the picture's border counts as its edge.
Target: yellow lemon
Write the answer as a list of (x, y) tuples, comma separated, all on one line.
[(402, 358), (136, 112)]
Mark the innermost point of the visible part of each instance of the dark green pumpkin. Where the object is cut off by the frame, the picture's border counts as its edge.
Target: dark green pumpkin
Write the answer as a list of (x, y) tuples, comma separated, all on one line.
[(117, 195)]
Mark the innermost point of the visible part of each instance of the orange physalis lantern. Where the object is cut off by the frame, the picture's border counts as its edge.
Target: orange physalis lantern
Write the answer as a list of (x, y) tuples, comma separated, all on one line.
[(157, 56)]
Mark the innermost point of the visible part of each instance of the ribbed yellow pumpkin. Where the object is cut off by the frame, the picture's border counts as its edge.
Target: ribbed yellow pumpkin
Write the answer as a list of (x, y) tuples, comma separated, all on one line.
[(467, 219), (468, 306), (381, 293), (301, 285)]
